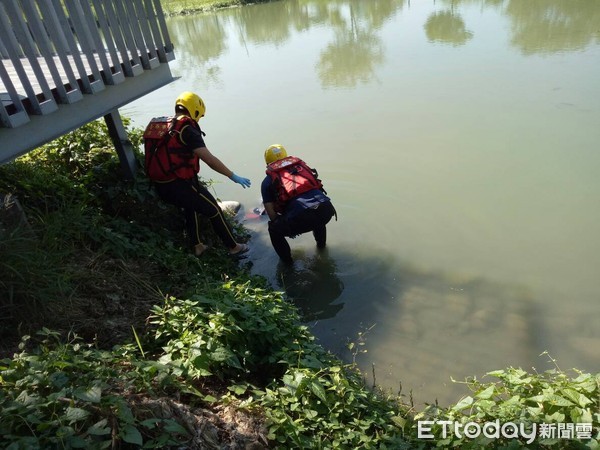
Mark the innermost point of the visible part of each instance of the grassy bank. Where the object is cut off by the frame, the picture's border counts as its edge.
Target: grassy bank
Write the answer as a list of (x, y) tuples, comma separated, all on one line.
[(114, 336), (179, 7)]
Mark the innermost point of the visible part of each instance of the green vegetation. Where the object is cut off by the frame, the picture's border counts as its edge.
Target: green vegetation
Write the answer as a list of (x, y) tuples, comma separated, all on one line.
[(143, 333), (115, 336), (176, 7), (519, 397)]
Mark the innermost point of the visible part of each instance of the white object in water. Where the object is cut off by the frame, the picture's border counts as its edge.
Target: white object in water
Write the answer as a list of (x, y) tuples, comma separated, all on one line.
[(230, 207)]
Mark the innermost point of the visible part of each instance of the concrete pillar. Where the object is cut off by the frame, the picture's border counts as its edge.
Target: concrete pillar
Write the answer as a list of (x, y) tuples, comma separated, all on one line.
[(122, 144)]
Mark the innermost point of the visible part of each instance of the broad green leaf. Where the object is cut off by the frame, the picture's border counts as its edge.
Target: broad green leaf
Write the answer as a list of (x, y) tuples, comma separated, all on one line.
[(78, 442), (99, 428), (399, 421), (76, 414), (557, 417), (586, 417), (293, 381), (535, 412), (463, 403), (311, 362), (92, 394), (221, 354), (485, 405), (209, 399), (58, 379), (318, 390), (310, 413), (131, 435), (25, 399), (238, 389), (515, 399), (124, 413), (150, 423), (576, 397), (486, 393), (552, 399), (200, 361)]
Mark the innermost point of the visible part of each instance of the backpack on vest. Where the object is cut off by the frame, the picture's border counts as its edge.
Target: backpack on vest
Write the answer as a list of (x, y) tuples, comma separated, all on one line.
[(292, 177), (165, 158)]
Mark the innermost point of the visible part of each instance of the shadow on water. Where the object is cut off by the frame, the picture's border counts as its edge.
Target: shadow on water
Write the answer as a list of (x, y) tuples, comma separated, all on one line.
[(414, 329), (313, 285)]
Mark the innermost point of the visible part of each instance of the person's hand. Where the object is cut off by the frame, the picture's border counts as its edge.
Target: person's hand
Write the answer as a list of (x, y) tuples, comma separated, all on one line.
[(245, 182)]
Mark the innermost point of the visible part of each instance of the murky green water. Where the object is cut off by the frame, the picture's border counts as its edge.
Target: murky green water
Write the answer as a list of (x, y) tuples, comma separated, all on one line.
[(459, 142)]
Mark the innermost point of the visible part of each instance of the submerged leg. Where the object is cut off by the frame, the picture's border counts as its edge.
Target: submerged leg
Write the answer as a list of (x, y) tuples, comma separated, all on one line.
[(320, 234), (277, 232)]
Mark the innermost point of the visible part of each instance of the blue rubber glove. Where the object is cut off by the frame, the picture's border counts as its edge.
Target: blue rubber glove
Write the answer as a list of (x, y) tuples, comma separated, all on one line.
[(245, 182)]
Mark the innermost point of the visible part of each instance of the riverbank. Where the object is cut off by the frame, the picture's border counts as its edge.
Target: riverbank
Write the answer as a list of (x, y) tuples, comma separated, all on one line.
[(184, 7), (114, 334)]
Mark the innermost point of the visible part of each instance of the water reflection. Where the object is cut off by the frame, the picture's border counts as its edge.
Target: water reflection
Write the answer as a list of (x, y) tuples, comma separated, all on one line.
[(422, 328), (198, 44), (350, 57), (447, 27), (313, 285), (548, 26), (537, 26), (266, 25), (356, 50)]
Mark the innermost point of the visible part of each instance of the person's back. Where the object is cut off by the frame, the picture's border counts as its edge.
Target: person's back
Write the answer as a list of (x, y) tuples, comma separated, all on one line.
[(294, 200)]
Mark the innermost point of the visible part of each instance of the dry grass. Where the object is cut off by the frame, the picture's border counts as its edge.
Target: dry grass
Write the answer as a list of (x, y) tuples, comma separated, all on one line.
[(106, 297)]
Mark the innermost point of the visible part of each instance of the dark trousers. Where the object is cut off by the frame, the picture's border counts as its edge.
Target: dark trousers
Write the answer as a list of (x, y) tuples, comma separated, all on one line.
[(195, 199), (311, 219)]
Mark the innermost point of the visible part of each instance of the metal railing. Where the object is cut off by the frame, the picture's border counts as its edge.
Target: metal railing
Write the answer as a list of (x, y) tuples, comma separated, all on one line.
[(55, 52), (64, 63)]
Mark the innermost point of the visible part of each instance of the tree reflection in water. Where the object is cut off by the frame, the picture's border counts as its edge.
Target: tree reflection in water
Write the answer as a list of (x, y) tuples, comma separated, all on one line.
[(447, 27)]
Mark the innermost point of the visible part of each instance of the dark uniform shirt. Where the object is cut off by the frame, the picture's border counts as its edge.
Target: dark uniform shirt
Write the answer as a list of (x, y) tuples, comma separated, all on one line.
[(192, 137)]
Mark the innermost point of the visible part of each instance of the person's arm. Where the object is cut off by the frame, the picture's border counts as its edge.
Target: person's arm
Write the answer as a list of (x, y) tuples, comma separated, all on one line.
[(212, 161), (218, 166), (268, 197)]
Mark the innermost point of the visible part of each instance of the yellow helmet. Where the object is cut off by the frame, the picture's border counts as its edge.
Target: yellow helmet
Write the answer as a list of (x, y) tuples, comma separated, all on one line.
[(193, 103), (275, 152)]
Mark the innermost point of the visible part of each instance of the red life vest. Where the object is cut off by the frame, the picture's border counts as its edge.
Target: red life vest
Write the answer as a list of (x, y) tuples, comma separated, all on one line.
[(292, 177), (166, 157)]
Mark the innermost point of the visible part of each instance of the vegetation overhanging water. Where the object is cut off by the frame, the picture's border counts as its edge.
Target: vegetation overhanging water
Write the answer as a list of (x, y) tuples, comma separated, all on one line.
[(100, 255)]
